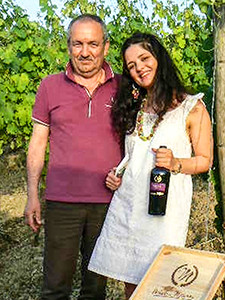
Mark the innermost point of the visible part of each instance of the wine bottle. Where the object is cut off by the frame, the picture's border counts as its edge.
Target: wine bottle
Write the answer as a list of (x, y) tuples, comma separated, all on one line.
[(159, 185)]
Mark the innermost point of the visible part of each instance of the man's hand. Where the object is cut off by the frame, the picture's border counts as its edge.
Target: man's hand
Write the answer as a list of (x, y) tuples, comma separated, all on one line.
[(32, 214)]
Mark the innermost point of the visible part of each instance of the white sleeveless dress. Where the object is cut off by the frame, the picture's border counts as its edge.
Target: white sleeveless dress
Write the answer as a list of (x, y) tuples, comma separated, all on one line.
[(130, 237)]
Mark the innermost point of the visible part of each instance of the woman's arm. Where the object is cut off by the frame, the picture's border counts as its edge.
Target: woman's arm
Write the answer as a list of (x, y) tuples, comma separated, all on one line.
[(198, 127), (200, 133)]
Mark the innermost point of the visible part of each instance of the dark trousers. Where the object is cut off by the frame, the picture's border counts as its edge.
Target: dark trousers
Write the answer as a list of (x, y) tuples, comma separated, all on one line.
[(69, 228)]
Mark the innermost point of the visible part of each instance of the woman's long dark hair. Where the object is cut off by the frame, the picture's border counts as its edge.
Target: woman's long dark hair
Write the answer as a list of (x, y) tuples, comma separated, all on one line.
[(167, 85)]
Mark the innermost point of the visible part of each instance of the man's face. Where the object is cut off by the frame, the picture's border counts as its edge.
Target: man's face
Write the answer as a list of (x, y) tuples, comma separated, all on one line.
[(87, 48)]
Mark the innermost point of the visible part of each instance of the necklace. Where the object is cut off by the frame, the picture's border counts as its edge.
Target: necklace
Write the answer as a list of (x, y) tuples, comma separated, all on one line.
[(140, 123)]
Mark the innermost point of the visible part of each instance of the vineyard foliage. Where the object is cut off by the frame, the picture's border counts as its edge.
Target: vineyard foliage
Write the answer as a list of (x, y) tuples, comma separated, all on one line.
[(207, 6), (31, 50)]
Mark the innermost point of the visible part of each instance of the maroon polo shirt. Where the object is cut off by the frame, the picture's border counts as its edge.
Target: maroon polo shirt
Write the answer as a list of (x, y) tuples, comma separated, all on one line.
[(83, 144)]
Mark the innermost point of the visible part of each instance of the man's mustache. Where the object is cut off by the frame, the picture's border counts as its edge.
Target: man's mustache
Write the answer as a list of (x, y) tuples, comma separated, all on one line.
[(81, 58)]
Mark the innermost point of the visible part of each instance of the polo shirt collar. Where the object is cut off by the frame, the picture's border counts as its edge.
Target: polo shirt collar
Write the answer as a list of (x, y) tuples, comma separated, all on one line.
[(108, 71)]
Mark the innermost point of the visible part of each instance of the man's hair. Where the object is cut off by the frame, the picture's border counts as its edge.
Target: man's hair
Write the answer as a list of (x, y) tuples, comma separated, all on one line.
[(87, 17)]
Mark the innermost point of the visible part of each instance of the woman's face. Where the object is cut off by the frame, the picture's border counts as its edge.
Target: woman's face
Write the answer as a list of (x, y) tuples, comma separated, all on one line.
[(141, 64)]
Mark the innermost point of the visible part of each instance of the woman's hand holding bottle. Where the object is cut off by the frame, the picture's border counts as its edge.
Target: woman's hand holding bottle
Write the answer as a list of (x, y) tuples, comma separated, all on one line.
[(164, 158)]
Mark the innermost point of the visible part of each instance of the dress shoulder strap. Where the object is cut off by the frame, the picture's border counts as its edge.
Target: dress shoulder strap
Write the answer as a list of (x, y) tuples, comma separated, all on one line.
[(190, 101)]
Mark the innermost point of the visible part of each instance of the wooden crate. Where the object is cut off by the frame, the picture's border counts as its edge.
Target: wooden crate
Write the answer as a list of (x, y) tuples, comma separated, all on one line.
[(182, 273)]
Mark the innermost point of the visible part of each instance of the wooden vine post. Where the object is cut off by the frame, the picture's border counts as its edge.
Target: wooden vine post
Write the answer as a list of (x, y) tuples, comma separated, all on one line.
[(219, 47)]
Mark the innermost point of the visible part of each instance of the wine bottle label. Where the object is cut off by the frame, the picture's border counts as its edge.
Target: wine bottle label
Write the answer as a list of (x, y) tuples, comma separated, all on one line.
[(157, 187), (158, 178)]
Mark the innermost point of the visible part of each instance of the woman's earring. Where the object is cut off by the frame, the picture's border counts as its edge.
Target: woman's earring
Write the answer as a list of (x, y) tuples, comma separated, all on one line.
[(135, 92)]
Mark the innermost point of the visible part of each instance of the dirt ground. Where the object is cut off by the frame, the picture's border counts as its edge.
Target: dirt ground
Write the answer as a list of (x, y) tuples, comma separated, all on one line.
[(12, 186)]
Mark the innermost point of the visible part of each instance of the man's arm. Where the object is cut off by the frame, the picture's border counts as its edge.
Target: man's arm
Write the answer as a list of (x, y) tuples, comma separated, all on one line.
[(35, 163)]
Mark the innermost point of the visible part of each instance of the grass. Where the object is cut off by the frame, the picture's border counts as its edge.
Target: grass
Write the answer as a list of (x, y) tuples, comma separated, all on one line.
[(21, 250)]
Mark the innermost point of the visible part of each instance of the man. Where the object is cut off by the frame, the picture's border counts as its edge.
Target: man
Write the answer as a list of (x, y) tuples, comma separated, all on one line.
[(72, 110)]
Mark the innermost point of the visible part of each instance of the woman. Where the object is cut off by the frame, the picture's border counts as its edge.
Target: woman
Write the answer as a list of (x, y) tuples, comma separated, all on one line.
[(153, 109)]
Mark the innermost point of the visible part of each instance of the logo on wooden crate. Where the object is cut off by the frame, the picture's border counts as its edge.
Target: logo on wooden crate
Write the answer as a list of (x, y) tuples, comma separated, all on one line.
[(181, 277), (184, 275)]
